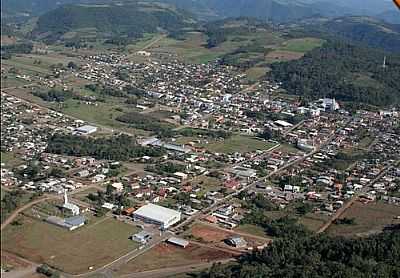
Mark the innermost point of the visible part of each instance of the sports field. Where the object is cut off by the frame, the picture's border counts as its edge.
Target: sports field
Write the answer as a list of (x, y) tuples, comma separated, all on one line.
[(74, 252)]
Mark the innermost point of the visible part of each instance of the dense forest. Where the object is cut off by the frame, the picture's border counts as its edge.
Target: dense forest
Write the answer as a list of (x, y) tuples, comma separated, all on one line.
[(342, 71), (319, 256), (120, 147)]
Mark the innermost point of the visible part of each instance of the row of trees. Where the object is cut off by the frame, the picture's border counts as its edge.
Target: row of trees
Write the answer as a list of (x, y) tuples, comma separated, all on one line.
[(19, 48), (148, 123), (190, 132)]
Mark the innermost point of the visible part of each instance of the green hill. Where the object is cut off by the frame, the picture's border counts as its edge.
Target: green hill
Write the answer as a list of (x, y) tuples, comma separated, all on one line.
[(110, 20), (364, 30), (343, 71)]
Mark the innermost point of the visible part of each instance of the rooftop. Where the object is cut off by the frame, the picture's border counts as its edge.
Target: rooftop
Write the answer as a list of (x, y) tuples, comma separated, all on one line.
[(157, 213)]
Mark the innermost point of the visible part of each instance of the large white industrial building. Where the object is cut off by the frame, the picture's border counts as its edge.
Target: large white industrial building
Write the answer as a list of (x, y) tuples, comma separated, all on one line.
[(164, 217)]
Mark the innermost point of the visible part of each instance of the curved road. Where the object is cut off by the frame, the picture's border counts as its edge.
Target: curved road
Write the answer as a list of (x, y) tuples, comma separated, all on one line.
[(24, 207)]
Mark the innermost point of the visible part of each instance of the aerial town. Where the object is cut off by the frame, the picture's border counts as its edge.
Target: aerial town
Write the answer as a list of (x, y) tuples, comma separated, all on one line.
[(142, 163), (195, 189)]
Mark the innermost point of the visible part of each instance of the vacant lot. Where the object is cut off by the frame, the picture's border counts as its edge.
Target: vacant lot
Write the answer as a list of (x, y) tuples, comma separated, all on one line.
[(240, 144), (215, 236), (12, 81), (25, 64), (255, 73), (370, 218), (9, 159), (251, 229), (207, 183), (167, 255), (313, 221), (73, 252)]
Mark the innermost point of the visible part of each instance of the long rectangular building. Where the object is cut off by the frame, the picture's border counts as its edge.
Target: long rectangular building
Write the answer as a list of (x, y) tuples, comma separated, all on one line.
[(158, 215)]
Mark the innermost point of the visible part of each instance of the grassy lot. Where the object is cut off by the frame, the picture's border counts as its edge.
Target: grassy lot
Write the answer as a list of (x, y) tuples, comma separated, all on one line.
[(103, 114), (302, 45), (288, 148), (9, 159), (370, 218), (12, 81), (192, 48), (73, 252), (25, 64), (207, 183), (167, 255), (82, 195), (238, 143), (251, 229), (141, 43), (255, 73), (313, 221)]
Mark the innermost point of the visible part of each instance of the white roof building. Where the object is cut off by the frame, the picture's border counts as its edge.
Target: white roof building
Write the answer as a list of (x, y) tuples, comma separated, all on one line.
[(164, 217), (86, 129)]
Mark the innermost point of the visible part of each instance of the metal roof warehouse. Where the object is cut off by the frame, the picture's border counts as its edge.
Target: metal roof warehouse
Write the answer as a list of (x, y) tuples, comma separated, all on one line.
[(164, 217)]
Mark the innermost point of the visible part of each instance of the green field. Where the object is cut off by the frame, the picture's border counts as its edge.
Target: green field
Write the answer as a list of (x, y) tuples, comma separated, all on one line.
[(9, 159), (191, 49), (302, 45), (313, 221), (369, 218), (12, 81), (238, 143), (26, 64), (104, 114), (73, 252), (255, 73)]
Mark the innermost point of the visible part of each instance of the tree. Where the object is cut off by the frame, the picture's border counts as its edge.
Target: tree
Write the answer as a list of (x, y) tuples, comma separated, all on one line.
[(72, 65), (109, 190)]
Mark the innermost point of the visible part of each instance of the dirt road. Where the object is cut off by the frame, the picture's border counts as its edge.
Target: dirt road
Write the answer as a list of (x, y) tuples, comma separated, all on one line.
[(166, 272), (24, 207)]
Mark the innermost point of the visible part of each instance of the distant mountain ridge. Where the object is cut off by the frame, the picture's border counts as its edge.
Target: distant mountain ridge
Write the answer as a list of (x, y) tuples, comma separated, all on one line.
[(271, 10), (282, 10)]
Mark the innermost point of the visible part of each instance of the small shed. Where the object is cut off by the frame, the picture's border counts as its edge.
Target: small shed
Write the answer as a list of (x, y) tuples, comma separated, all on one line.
[(178, 242)]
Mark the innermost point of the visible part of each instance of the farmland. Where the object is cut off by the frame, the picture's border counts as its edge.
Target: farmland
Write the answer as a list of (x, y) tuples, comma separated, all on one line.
[(72, 252)]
